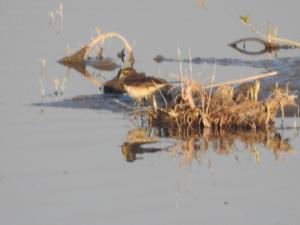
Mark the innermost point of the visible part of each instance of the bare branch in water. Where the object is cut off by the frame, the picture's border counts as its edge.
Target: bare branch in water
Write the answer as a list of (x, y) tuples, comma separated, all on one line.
[(268, 46), (80, 56), (102, 37)]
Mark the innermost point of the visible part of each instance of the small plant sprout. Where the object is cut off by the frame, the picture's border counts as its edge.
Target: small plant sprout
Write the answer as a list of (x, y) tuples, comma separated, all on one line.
[(212, 80), (99, 47), (52, 18), (56, 83), (42, 77), (60, 83), (63, 85), (254, 91), (43, 69), (42, 88), (202, 3), (57, 15), (180, 68), (69, 50), (98, 30), (190, 64), (59, 11)]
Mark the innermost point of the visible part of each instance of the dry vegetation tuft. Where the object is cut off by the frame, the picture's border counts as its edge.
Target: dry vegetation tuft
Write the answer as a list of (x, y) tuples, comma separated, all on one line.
[(221, 108)]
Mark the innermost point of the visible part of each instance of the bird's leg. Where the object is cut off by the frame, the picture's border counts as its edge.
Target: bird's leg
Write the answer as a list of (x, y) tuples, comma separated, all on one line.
[(147, 100), (139, 102), (142, 102)]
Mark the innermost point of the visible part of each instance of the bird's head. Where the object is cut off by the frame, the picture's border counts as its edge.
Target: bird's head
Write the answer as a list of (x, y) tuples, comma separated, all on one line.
[(125, 73)]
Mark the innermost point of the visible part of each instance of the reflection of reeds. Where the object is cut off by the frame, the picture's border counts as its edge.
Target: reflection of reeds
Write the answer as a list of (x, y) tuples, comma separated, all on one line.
[(194, 147), (225, 144), (217, 115)]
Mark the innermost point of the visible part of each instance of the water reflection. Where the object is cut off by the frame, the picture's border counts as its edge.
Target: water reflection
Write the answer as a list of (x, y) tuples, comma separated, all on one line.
[(194, 147), (81, 68), (257, 46), (190, 146), (135, 144), (282, 63)]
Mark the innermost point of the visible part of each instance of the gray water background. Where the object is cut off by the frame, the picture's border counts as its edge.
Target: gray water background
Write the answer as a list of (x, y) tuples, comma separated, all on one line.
[(65, 166)]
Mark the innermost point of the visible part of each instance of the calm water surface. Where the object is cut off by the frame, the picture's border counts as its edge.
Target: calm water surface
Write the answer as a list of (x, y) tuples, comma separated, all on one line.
[(67, 166)]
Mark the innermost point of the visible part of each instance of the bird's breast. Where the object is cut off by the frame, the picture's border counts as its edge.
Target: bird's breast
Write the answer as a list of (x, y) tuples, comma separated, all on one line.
[(141, 91)]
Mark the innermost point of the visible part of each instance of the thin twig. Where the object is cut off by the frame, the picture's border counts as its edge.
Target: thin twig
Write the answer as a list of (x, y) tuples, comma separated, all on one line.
[(243, 80)]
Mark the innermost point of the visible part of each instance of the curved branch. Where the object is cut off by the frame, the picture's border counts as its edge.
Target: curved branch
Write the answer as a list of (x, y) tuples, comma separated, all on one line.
[(101, 38), (79, 56), (268, 46)]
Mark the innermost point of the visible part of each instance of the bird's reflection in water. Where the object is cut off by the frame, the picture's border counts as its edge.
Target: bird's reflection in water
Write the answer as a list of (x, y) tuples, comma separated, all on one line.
[(135, 144), (194, 147)]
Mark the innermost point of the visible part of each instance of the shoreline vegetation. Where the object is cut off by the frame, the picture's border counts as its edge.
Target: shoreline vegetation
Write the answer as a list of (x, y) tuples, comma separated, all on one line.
[(191, 105), (199, 114)]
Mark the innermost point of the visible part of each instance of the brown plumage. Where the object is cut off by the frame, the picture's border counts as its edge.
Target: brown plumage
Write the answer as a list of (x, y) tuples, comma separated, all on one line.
[(139, 86)]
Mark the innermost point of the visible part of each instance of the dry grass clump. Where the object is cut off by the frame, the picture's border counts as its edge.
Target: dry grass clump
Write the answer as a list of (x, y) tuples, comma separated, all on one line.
[(223, 107)]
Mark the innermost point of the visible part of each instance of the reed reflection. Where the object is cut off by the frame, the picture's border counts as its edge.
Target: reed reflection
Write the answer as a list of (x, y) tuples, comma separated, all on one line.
[(194, 147)]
